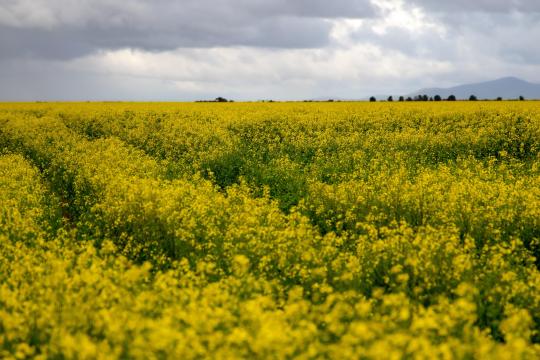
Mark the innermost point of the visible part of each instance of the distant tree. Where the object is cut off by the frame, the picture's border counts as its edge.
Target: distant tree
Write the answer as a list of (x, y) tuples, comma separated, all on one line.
[(437, 98), (499, 98), (521, 98), (220, 99), (418, 98), (451, 98), (430, 98), (409, 99), (401, 98), (390, 98), (473, 98), (372, 99), (425, 98), (330, 100)]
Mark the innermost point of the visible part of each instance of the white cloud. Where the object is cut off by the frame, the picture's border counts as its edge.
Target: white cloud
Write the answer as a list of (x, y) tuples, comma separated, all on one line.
[(354, 70)]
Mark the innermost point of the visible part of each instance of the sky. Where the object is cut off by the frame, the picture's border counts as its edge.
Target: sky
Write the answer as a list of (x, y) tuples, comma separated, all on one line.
[(184, 50)]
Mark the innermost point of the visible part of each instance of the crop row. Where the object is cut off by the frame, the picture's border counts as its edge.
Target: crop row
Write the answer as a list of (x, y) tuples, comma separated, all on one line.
[(141, 231), (424, 167), (63, 298)]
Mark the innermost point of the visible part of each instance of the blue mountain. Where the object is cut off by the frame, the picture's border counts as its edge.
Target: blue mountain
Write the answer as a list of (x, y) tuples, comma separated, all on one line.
[(507, 88)]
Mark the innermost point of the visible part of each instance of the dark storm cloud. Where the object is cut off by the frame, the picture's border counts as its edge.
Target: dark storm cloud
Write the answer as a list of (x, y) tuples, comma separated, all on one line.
[(70, 42), (64, 29)]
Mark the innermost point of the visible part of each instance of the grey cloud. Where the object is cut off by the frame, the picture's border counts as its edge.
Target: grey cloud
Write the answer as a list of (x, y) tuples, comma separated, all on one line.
[(66, 29), (468, 35), (35, 43), (216, 46), (429, 44), (51, 81), (505, 36), (478, 5), (66, 43)]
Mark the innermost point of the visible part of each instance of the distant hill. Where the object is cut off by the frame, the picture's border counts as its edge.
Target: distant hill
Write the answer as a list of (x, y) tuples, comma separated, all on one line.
[(507, 88)]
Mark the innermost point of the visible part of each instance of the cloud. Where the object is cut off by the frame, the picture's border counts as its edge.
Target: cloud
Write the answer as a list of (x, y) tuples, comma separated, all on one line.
[(466, 37), (237, 72), (66, 28), (485, 6), (254, 49)]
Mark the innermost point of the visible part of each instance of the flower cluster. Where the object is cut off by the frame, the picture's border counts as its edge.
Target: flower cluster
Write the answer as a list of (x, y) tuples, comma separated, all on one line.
[(342, 230)]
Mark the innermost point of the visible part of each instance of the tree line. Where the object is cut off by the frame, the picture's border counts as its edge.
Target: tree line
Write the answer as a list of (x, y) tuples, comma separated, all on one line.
[(434, 98)]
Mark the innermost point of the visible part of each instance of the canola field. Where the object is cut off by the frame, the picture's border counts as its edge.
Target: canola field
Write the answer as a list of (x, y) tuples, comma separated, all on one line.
[(270, 230)]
